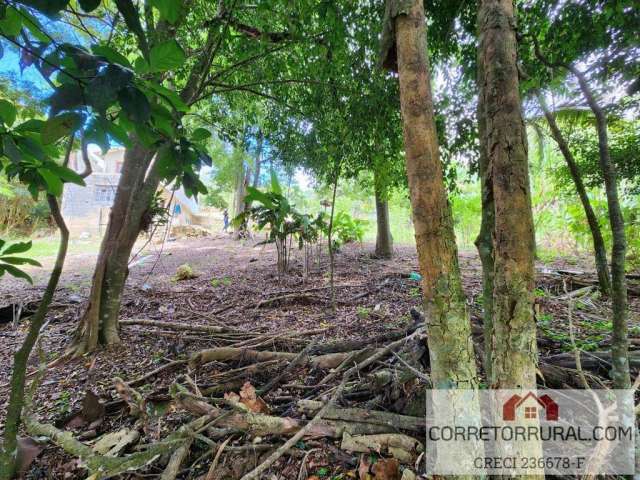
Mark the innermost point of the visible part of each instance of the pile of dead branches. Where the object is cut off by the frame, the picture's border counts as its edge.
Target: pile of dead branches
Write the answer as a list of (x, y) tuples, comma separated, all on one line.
[(257, 404)]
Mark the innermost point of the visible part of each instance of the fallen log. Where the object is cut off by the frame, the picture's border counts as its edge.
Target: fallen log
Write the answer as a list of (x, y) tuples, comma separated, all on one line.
[(230, 354), (261, 424), (176, 326), (394, 421), (593, 361)]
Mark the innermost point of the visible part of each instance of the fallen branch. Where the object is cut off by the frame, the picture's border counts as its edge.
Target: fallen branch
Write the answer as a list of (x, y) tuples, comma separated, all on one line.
[(176, 326)]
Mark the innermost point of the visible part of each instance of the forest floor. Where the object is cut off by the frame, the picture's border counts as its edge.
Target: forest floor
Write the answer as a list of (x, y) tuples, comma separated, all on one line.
[(238, 288)]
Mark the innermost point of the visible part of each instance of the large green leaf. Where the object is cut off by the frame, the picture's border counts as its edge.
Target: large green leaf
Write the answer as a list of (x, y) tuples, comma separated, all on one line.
[(132, 18), (11, 24), (255, 195), (135, 104), (168, 95), (14, 271), (60, 126), (275, 184), (20, 261), (10, 149), (7, 112), (18, 247), (200, 134), (65, 174), (52, 181), (50, 8), (170, 10), (111, 55), (166, 56)]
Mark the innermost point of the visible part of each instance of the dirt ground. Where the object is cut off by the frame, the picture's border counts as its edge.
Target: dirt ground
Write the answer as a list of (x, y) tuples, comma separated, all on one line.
[(373, 296)]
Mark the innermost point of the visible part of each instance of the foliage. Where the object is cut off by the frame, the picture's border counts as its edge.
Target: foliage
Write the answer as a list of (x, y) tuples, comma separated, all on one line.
[(348, 229), (284, 223), (9, 259)]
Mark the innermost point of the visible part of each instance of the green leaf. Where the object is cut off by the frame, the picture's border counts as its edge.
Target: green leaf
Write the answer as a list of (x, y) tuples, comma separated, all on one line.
[(60, 126), (170, 10), (275, 184), (116, 132), (7, 112), (65, 174), (132, 19), (200, 134), (135, 104), (54, 184), (89, 5), (166, 56), (34, 26), (14, 271), (11, 24), (111, 55), (20, 261), (11, 149), (32, 125), (19, 247), (168, 95)]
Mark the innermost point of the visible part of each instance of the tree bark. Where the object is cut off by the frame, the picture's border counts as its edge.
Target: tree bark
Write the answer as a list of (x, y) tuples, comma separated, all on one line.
[(384, 240), (9, 450), (449, 330), (484, 241), (514, 331), (599, 247), (138, 183), (239, 206)]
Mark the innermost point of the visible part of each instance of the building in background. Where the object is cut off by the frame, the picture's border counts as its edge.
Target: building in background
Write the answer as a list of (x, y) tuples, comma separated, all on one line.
[(86, 209)]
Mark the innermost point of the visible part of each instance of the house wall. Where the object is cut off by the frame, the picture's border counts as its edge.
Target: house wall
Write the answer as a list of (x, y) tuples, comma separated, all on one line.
[(86, 209)]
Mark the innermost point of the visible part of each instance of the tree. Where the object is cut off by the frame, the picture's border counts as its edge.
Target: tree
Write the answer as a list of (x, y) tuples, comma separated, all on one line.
[(599, 247), (450, 347), (513, 340), (594, 51), (28, 154)]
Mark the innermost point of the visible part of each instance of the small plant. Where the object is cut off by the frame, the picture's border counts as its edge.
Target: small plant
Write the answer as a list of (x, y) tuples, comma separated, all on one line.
[(64, 402), (545, 319), (415, 292), (216, 282), (347, 229), (185, 272), (363, 312)]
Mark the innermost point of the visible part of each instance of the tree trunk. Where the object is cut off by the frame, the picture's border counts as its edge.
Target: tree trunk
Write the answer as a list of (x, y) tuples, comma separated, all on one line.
[(239, 206), (448, 325), (9, 450), (619, 342), (599, 248), (256, 170), (484, 241), (384, 240), (514, 330), (138, 183)]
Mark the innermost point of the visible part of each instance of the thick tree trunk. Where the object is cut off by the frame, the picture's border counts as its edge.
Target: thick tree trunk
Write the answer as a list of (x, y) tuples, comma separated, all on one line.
[(138, 183), (9, 450), (449, 330), (619, 342), (599, 247), (256, 170), (384, 240), (484, 241), (514, 330)]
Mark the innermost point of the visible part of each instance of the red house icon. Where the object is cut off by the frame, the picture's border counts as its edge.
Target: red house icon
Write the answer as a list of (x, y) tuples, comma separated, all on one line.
[(529, 402)]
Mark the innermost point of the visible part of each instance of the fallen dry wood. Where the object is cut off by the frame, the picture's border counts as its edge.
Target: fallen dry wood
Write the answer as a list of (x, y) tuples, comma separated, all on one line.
[(231, 354), (394, 421), (398, 445), (594, 361), (177, 326), (100, 464)]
